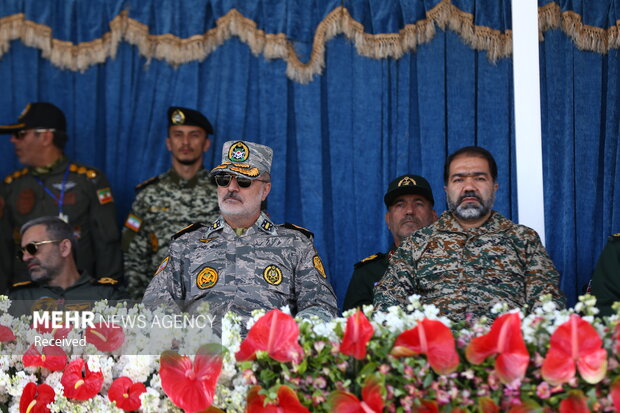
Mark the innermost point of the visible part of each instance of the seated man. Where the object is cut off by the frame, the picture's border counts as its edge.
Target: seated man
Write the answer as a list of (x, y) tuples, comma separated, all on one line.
[(472, 257), (242, 261), (409, 200), (47, 250), (606, 277)]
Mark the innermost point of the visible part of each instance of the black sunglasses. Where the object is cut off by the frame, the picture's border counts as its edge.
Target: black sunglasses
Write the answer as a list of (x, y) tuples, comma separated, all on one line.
[(223, 180), (32, 248)]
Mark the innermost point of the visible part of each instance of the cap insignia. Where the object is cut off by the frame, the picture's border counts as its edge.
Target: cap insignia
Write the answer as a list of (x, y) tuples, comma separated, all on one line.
[(238, 152), (178, 117), (26, 109), (406, 181), (207, 278), (272, 274)]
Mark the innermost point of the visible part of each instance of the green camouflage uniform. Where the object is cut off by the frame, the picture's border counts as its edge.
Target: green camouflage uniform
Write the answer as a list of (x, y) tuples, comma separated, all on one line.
[(88, 203), (164, 205), (267, 267), (606, 278), (468, 271)]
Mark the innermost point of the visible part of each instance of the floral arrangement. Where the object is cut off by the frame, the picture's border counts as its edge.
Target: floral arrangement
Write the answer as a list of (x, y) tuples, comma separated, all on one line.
[(403, 360)]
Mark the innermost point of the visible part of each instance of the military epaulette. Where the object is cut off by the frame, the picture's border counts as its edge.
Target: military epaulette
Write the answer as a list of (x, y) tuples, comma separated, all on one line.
[(189, 228), (146, 183), (615, 237), (106, 281), (16, 175), (368, 260), (21, 284), (303, 230), (82, 170)]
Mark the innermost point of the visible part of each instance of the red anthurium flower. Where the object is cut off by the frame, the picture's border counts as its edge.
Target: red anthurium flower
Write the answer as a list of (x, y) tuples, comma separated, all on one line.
[(433, 338), (277, 334), (191, 386), (427, 406), (356, 336), (106, 337), (615, 393), (57, 333), (126, 393), (287, 402), (487, 405), (36, 398), (53, 358), (527, 407), (6, 334), (576, 402), (372, 400), (575, 342), (506, 340), (78, 385)]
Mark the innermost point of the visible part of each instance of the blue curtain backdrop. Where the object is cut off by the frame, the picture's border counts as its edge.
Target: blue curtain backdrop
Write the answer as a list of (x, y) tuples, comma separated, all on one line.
[(341, 136)]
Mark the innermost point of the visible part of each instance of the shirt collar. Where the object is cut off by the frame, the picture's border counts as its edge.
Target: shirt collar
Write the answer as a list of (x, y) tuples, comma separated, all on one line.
[(187, 183), (56, 166), (495, 223), (262, 224)]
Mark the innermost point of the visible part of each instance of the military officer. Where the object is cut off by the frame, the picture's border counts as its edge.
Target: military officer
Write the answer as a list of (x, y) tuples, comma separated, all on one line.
[(606, 277), (242, 261), (168, 202), (51, 184), (47, 246), (472, 257), (409, 200)]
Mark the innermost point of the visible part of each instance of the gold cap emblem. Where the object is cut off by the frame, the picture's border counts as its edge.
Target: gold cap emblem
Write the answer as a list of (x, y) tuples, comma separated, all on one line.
[(406, 181), (178, 117)]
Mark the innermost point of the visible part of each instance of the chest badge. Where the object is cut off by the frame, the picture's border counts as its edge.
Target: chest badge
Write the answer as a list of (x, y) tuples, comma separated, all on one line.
[(273, 275), (207, 278)]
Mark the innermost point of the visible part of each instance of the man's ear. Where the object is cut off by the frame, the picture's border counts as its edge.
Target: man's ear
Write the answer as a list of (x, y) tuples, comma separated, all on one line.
[(266, 191), (65, 248), (206, 145)]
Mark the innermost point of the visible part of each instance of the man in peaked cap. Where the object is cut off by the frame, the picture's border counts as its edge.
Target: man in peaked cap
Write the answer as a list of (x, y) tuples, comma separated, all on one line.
[(242, 261), (52, 185), (409, 200), (166, 203)]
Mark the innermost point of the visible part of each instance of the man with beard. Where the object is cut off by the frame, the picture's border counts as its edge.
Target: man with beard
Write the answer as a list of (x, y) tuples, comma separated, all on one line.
[(472, 257), (243, 261), (47, 249), (409, 200), (168, 202)]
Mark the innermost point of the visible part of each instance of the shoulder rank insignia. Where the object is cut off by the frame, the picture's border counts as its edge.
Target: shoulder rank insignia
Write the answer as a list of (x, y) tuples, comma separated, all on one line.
[(146, 183), (21, 284), (187, 229), (163, 265), (107, 280), (16, 175), (266, 225), (615, 237), (217, 224), (318, 264), (372, 258), (303, 230)]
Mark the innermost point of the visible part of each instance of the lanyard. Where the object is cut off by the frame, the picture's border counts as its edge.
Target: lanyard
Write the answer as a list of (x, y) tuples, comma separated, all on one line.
[(60, 200)]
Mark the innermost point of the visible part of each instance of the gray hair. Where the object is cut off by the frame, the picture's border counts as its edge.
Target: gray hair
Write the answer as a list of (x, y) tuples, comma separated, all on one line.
[(56, 228)]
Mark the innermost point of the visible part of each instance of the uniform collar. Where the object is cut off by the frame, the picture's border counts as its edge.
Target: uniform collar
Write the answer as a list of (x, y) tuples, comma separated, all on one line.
[(187, 183), (495, 223), (262, 224), (58, 165), (85, 278)]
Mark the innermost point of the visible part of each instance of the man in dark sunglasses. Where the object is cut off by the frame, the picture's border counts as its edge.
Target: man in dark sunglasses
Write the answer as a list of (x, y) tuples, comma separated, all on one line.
[(243, 261), (47, 250), (52, 185)]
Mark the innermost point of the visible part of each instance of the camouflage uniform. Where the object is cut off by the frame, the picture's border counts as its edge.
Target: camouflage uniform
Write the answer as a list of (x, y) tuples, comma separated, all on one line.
[(606, 278), (468, 271), (88, 203), (267, 267), (164, 205)]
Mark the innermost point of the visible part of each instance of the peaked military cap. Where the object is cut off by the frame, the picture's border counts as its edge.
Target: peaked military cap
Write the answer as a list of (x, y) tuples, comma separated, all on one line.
[(38, 115), (190, 117), (408, 184), (244, 158)]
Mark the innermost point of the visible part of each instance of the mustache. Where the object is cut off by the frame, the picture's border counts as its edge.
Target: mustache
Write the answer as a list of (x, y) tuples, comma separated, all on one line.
[(409, 218), (469, 194), (232, 195)]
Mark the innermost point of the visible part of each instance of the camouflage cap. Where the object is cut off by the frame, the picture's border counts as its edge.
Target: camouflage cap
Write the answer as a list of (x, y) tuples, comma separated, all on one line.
[(190, 117), (408, 184), (244, 158), (38, 115)]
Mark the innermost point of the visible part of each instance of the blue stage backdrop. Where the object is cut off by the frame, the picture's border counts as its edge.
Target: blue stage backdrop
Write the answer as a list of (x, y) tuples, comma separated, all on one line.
[(348, 94)]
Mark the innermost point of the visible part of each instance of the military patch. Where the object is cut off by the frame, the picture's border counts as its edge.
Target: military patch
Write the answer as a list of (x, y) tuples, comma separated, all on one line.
[(177, 117), (318, 264), (217, 224), (133, 223), (207, 278), (26, 200), (407, 181), (238, 152), (273, 275), (267, 226), (105, 196), (107, 280), (154, 242), (162, 265), (206, 241)]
